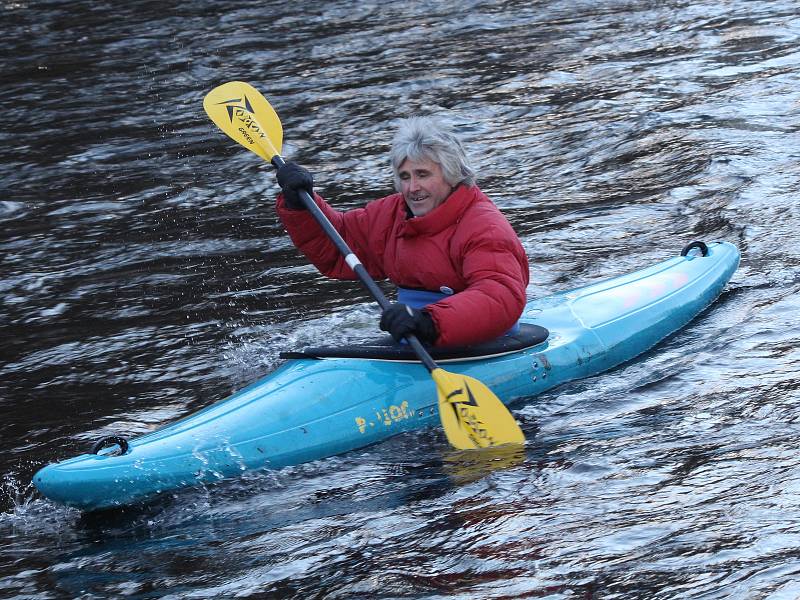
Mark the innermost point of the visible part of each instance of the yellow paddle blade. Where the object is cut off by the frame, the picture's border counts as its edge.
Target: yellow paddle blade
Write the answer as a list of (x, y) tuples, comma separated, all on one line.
[(472, 416), (244, 114)]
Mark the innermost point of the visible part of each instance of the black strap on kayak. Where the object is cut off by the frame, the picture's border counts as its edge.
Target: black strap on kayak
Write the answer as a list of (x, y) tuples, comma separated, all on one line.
[(108, 441), (386, 348), (699, 245)]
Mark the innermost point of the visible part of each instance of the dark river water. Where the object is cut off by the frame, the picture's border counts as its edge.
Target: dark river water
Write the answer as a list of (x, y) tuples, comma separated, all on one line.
[(145, 275)]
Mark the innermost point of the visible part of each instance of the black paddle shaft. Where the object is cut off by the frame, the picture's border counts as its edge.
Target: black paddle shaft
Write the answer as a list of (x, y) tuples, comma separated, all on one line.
[(352, 260)]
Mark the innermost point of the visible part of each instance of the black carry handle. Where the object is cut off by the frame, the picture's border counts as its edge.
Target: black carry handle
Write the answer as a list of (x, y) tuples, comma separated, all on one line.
[(111, 440), (699, 245)]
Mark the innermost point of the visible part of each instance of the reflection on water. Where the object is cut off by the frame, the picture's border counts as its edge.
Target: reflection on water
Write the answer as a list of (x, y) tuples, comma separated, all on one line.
[(144, 275), (467, 467)]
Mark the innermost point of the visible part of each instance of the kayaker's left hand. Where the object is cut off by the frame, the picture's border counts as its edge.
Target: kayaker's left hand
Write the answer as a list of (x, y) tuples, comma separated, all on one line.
[(400, 320)]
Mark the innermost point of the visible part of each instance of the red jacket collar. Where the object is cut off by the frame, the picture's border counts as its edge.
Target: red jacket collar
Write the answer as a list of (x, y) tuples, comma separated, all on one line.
[(444, 215)]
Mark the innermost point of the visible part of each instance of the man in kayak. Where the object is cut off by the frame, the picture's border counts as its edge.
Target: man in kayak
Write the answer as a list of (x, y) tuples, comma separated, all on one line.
[(460, 269)]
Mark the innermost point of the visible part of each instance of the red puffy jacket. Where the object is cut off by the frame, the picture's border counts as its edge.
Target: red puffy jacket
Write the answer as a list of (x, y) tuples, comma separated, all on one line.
[(465, 244)]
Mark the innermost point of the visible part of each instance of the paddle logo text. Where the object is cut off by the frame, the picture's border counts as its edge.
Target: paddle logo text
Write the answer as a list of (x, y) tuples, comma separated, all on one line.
[(241, 110), (470, 418)]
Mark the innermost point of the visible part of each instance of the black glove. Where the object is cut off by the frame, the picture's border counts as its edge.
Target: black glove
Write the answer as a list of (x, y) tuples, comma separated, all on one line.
[(292, 178), (401, 319)]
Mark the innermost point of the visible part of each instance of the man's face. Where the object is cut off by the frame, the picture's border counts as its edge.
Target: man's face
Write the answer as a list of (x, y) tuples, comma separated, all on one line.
[(423, 186)]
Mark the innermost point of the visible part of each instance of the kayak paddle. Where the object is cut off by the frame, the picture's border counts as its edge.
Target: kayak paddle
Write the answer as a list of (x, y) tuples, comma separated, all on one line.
[(472, 416)]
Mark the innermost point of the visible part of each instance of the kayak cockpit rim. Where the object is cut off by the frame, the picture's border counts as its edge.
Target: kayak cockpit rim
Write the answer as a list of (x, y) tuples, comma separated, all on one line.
[(385, 349)]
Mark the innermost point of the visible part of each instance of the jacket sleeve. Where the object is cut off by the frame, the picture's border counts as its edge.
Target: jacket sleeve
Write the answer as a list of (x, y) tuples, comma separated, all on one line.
[(360, 228), (495, 267)]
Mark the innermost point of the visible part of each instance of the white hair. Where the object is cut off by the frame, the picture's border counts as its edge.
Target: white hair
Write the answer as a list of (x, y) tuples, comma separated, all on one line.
[(427, 138)]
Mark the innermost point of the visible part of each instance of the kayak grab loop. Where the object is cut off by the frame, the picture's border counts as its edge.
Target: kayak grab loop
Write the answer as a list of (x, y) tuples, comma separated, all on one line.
[(111, 440), (699, 245)]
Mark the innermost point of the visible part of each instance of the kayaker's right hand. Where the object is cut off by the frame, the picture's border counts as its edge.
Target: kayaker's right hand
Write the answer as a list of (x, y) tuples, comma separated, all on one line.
[(292, 178)]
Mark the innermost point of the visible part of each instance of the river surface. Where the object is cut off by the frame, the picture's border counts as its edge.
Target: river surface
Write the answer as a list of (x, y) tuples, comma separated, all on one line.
[(144, 275)]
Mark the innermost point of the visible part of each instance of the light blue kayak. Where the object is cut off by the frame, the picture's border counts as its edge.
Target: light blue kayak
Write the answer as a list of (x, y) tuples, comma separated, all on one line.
[(326, 401)]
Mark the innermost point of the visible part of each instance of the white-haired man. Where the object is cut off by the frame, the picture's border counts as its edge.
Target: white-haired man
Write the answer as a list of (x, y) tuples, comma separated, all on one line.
[(460, 269)]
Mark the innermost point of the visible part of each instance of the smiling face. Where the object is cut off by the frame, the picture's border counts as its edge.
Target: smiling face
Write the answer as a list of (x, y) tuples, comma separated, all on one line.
[(423, 185)]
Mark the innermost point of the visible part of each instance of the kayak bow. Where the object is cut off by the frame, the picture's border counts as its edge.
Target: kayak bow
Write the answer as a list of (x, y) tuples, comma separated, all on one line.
[(323, 402)]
